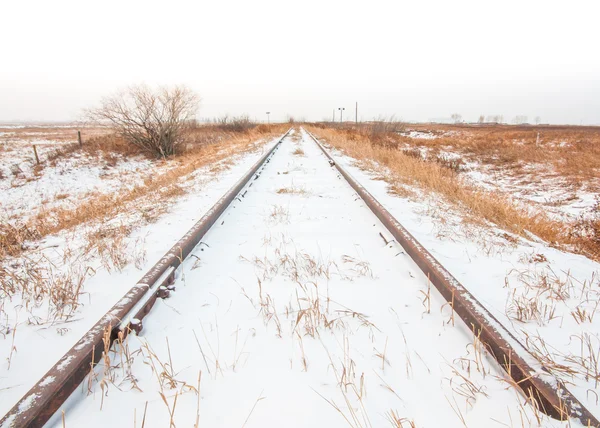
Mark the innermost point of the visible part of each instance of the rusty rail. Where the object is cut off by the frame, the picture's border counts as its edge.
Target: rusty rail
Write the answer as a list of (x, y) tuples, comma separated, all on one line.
[(536, 382), (51, 391)]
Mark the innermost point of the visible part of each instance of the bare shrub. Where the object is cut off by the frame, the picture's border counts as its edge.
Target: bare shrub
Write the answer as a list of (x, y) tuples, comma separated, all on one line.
[(234, 123), (382, 126), (152, 120), (381, 131), (149, 198)]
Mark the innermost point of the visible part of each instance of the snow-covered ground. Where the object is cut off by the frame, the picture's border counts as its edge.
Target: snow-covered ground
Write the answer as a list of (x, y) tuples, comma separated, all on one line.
[(59, 181), (534, 185), (554, 194), (419, 135), (293, 311), (68, 181), (28, 327), (546, 297)]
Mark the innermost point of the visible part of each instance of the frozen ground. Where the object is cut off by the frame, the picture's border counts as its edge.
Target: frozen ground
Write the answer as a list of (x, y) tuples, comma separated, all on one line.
[(60, 181), (536, 185), (294, 312), (27, 327), (548, 298)]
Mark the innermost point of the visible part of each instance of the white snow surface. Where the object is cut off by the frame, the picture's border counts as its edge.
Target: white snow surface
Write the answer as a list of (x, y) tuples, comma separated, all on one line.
[(64, 182), (496, 270), (38, 344), (296, 313), (537, 185), (552, 193), (419, 135)]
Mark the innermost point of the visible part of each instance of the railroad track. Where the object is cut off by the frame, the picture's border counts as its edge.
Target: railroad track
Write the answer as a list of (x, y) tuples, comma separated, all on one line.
[(311, 190)]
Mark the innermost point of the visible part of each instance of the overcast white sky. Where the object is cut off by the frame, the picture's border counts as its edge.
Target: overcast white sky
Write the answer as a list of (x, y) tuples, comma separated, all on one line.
[(416, 60)]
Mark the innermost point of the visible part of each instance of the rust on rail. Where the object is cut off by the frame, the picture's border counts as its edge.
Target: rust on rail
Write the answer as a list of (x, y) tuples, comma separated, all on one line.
[(51, 391), (537, 383)]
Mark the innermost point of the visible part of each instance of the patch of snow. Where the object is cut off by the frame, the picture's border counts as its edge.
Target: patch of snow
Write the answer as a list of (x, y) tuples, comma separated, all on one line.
[(419, 135)]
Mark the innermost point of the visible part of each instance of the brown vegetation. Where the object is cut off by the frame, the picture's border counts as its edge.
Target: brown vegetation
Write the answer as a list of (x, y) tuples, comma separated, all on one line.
[(477, 204), (571, 152), (58, 134), (152, 119), (206, 146)]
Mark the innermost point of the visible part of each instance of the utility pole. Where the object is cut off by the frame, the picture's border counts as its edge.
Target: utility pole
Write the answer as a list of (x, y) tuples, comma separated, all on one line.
[(268, 120), (356, 114), (341, 109), (333, 117)]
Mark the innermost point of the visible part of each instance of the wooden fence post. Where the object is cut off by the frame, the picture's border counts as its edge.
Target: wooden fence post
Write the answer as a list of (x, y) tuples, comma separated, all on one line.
[(79, 138), (37, 159)]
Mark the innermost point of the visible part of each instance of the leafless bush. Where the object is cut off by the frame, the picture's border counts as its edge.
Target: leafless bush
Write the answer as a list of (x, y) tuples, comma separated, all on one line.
[(234, 123), (384, 126), (151, 119)]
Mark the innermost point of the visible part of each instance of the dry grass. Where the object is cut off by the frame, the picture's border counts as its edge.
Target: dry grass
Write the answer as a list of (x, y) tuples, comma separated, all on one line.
[(61, 134), (572, 152), (50, 290), (434, 177), (292, 190), (106, 145), (477, 205), (13, 238), (157, 188)]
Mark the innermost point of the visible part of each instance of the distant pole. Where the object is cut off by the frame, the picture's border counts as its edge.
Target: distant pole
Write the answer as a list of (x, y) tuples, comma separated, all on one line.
[(268, 120), (341, 109), (37, 159), (356, 114), (79, 138), (333, 117)]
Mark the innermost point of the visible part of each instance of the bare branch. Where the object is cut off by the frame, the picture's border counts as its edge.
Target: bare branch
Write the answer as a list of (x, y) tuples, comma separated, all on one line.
[(150, 119)]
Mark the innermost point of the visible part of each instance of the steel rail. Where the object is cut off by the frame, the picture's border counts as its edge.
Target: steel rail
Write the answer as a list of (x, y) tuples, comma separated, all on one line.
[(51, 391), (537, 383)]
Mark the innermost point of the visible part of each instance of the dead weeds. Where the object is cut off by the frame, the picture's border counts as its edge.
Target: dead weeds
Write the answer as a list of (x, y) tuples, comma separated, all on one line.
[(477, 205)]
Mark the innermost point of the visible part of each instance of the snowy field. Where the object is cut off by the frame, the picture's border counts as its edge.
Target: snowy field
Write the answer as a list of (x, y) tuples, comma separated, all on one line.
[(123, 248), (293, 311), (538, 184), (548, 298), (60, 180)]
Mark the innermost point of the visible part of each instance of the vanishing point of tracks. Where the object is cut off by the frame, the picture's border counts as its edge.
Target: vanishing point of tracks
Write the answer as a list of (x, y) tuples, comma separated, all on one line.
[(538, 386)]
